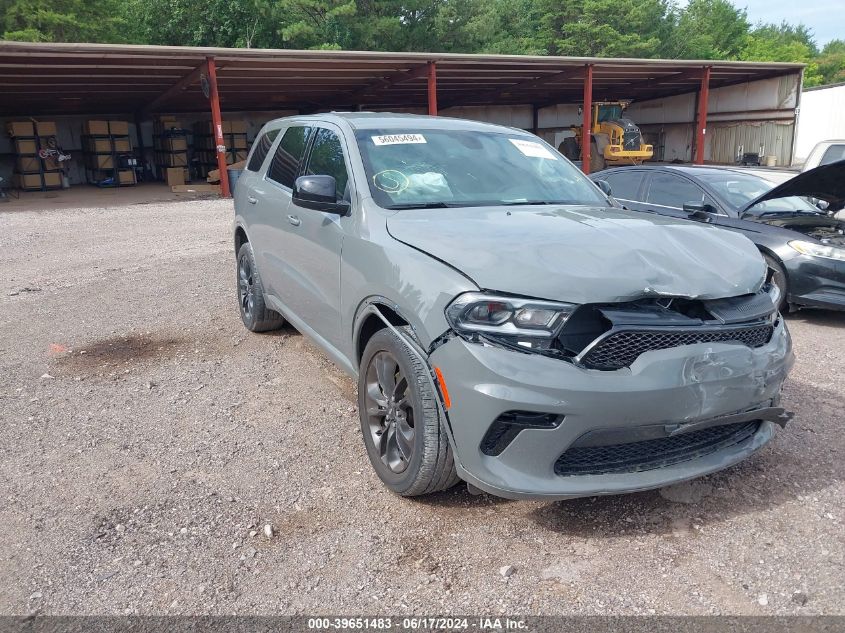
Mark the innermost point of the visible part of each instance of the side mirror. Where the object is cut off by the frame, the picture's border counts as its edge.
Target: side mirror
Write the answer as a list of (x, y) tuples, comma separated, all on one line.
[(604, 186), (318, 193), (698, 210)]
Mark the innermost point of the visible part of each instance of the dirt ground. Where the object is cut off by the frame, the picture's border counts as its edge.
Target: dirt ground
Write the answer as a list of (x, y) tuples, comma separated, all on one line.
[(148, 438)]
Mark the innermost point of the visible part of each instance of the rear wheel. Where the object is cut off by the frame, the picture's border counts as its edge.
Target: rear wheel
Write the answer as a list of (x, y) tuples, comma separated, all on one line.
[(569, 148), (256, 316), (779, 279), (400, 420)]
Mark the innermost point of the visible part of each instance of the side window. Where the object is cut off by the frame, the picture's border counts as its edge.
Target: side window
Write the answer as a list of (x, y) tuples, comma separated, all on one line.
[(327, 160), (262, 146), (832, 154), (288, 157), (625, 183), (669, 190)]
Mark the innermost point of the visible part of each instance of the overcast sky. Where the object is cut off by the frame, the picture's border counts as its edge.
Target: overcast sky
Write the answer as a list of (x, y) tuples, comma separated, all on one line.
[(826, 19)]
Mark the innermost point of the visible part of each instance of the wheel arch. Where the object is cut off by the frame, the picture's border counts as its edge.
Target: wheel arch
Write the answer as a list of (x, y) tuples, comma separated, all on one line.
[(368, 322), (241, 238)]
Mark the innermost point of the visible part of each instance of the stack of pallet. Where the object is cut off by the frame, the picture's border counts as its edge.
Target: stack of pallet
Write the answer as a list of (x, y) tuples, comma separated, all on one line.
[(205, 146), (109, 161), (170, 145), (36, 161)]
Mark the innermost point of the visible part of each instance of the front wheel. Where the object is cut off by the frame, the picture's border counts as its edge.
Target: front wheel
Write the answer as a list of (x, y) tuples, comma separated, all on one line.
[(400, 420)]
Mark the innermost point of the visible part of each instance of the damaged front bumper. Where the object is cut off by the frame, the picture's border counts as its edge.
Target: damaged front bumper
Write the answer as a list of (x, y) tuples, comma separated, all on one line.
[(679, 392)]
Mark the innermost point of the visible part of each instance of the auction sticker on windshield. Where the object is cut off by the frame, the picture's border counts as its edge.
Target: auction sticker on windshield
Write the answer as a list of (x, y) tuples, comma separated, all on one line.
[(398, 139), (530, 148)]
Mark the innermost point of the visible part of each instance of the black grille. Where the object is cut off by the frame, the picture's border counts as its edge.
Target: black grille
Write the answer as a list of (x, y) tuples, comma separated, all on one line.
[(622, 348), (651, 454)]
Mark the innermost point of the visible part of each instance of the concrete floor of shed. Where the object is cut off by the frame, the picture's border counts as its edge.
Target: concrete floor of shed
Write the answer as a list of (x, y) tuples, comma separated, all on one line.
[(87, 196)]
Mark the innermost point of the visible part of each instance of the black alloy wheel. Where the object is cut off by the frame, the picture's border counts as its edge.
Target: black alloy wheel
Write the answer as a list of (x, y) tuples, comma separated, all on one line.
[(390, 415)]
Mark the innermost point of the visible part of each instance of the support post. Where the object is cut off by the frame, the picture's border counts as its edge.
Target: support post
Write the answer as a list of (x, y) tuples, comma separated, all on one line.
[(217, 122), (701, 119), (587, 123), (432, 89), (140, 147), (535, 119)]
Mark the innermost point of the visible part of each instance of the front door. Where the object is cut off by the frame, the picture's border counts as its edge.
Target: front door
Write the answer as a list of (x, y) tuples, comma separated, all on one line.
[(313, 249)]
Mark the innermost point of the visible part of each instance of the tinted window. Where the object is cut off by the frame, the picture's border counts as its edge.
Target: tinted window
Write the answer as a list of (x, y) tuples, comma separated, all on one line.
[(625, 183), (669, 190), (327, 160), (288, 157), (262, 146), (833, 154)]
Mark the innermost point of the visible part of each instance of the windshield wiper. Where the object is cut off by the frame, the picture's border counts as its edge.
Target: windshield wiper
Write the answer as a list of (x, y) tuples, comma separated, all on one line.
[(793, 214), (425, 205), (513, 203)]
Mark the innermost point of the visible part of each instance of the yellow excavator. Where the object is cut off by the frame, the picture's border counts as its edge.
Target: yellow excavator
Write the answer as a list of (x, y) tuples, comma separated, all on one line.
[(614, 139)]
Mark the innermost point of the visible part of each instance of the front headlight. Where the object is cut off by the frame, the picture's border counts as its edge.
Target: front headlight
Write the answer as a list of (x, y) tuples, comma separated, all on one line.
[(526, 322), (818, 250)]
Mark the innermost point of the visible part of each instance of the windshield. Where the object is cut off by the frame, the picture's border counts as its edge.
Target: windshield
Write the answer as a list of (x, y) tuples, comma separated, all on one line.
[(418, 168), (609, 113), (740, 189)]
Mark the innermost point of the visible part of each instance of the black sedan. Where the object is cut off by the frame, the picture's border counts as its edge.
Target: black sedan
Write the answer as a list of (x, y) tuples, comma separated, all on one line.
[(802, 244)]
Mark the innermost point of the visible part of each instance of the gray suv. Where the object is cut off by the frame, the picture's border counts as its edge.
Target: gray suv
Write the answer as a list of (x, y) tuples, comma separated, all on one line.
[(507, 325)]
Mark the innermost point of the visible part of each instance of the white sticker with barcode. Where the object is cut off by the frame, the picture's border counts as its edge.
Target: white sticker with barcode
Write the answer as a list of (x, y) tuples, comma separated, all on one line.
[(532, 148), (398, 139)]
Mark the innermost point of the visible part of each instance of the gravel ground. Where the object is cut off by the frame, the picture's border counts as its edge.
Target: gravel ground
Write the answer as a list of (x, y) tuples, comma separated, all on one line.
[(148, 439)]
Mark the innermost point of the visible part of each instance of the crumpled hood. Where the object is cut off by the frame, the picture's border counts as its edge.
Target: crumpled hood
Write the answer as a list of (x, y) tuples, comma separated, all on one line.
[(823, 183), (584, 254)]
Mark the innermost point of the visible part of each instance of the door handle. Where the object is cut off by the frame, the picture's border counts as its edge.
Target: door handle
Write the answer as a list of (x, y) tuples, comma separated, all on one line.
[(251, 200), (294, 220)]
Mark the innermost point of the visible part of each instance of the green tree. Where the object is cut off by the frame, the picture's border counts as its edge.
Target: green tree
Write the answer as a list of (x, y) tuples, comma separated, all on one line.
[(783, 43), (708, 29), (242, 23), (831, 62), (605, 28), (61, 21)]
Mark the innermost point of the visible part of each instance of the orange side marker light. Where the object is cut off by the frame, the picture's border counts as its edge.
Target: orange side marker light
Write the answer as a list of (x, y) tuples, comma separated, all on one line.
[(447, 401)]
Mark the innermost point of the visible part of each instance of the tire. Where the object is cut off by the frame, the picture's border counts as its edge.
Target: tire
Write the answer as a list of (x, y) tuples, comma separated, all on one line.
[(256, 316), (597, 161), (780, 280), (406, 443), (569, 148)]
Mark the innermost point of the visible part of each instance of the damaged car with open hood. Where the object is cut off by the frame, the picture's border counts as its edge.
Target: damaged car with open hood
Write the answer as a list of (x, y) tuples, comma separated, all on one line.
[(792, 223), (508, 326)]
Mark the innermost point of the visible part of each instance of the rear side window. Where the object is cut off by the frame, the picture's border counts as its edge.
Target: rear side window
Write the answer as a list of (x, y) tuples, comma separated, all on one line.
[(668, 190), (288, 157), (327, 160), (262, 146), (624, 183), (833, 154)]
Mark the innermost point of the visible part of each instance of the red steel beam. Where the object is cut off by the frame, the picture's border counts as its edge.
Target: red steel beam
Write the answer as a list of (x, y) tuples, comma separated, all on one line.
[(432, 89), (701, 119), (217, 121), (587, 123), (185, 82)]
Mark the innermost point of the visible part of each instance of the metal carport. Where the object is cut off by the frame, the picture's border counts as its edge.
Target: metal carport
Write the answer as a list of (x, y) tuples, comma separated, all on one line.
[(104, 79)]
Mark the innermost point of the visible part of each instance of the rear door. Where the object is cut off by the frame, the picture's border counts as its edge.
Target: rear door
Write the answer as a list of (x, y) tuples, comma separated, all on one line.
[(313, 249), (248, 189), (271, 196), (626, 185)]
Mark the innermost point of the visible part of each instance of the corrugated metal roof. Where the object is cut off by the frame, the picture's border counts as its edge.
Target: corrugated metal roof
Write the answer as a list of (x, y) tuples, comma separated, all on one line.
[(38, 79)]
